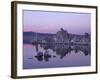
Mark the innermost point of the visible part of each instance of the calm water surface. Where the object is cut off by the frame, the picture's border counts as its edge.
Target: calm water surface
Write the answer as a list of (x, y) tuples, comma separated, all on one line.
[(70, 60)]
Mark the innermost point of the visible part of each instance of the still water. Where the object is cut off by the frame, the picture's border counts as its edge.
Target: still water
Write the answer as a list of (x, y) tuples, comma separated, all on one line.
[(72, 59)]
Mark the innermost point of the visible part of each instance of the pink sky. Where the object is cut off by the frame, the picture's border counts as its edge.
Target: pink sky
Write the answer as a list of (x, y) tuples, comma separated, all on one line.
[(51, 22)]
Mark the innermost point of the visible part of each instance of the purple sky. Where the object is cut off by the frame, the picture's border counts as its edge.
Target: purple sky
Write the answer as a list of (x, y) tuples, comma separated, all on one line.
[(51, 22)]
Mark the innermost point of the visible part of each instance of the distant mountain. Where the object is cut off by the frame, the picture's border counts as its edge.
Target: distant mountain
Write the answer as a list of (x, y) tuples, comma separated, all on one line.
[(29, 36), (34, 33)]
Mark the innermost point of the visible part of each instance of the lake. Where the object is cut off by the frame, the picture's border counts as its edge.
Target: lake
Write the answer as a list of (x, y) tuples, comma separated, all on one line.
[(72, 59)]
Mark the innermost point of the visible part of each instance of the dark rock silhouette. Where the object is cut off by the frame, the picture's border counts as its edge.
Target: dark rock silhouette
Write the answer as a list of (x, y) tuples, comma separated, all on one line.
[(46, 55), (39, 56)]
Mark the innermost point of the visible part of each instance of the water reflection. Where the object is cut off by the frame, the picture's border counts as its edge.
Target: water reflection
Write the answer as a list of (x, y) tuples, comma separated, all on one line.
[(61, 50), (39, 56), (43, 56)]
